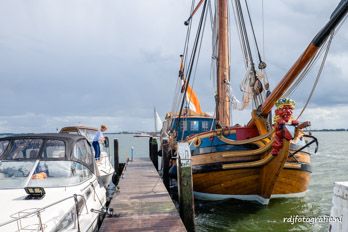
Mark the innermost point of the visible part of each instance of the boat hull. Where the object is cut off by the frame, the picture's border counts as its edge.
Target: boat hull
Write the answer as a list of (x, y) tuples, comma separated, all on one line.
[(214, 183), (105, 169)]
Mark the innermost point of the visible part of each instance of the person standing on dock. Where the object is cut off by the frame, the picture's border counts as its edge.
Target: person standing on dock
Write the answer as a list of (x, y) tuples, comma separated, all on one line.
[(98, 137)]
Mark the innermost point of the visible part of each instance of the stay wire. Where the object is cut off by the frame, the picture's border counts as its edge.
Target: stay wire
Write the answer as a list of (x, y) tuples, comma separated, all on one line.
[(187, 40), (177, 95), (197, 59), (244, 32), (333, 32), (192, 62), (318, 75), (241, 40), (304, 74), (253, 31)]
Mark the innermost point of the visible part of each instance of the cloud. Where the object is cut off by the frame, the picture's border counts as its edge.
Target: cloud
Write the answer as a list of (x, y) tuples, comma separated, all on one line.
[(111, 61), (326, 117), (31, 122)]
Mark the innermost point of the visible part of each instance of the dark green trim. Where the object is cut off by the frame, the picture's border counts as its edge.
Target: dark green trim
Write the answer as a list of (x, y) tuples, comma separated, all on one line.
[(335, 19)]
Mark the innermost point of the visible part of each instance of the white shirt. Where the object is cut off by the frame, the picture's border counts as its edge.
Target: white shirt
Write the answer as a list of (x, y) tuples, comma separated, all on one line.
[(98, 136)]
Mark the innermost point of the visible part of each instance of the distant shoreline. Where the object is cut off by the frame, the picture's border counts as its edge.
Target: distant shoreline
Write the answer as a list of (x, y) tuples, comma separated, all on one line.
[(137, 133), (329, 130)]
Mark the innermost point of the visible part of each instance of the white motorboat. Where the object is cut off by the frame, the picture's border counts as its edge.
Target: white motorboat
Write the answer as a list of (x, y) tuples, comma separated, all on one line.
[(106, 170), (48, 182)]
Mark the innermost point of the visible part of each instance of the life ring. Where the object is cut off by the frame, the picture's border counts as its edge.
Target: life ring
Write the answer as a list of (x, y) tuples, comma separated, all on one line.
[(197, 142)]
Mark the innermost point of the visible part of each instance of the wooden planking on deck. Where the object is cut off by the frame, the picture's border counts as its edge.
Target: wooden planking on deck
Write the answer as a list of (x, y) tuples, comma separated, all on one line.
[(143, 203)]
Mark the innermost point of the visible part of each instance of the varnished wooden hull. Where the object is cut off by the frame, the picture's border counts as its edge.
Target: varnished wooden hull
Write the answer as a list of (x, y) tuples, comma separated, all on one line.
[(246, 183), (239, 163), (292, 181)]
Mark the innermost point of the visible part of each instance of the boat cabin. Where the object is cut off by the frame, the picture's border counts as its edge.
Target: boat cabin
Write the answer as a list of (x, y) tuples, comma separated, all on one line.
[(187, 126), (45, 160), (88, 132)]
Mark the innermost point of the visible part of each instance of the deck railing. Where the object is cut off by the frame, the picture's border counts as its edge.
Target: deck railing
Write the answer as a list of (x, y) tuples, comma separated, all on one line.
[(40, 226)]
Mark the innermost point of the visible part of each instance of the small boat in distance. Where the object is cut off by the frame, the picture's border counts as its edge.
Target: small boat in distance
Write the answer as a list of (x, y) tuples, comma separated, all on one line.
[(106, 170), (48, 182), (266, 158)]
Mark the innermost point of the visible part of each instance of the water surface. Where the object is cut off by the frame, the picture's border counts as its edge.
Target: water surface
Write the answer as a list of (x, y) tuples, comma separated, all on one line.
[(330, 164)]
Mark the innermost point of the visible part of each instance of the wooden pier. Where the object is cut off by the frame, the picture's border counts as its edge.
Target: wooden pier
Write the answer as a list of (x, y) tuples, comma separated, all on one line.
[(142, 202)]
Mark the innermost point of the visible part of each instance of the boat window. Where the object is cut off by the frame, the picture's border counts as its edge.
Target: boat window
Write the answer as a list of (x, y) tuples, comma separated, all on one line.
[(194, 126), (3, 146), (13, 174), (90, 134), (24, 149), (82, 153), (59, 174), (205, 125), (90, 152), (54, 149), (82, 132)]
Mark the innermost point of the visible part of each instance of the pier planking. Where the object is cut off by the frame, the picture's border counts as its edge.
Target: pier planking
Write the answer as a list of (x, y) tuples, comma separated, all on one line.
[(142, 203)]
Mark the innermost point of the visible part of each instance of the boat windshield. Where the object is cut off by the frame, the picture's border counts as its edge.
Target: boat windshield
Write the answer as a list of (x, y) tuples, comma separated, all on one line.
[(16, 174), (88, 133), (3, 146), (59, 174), (24, 149)]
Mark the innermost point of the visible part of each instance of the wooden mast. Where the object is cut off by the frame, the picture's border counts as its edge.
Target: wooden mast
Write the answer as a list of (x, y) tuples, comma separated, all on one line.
[(223, 69)]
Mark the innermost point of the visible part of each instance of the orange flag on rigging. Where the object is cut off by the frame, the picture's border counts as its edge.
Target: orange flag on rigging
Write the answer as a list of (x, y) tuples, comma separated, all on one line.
[(192, 100), (191, 96)]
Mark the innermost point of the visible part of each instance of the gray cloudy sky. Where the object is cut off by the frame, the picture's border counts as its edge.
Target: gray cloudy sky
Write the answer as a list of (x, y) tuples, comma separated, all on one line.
[(65, 62)]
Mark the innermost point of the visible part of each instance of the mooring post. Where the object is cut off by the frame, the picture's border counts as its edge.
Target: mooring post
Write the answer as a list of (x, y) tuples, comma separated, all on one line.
[(132, 153), (151, 151), (150, 148), (185, 186), (339, 211), (116, 158), (154, 151), (165, 160)]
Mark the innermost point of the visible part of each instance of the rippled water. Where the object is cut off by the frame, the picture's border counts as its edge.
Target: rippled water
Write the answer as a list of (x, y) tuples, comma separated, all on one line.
[(126, 141), (330, 164)]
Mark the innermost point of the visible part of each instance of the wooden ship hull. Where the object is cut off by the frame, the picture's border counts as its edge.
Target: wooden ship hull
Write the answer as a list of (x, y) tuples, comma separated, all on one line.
[(246, 183), (265, 158), (245, 169)]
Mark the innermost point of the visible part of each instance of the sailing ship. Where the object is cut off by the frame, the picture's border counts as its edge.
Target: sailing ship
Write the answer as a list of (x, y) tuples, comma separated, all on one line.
[(268, 157)]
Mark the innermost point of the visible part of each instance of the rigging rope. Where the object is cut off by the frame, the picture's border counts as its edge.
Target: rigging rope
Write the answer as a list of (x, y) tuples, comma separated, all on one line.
[(177, 96), (192, 59), (244, 33), (262, 64), (328, 44), (318, 75), (251, 85), (263, 31), (211, 15), (196, 64)]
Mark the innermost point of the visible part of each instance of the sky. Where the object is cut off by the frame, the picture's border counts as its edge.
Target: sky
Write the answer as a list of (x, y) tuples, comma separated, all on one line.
[(68, 62)]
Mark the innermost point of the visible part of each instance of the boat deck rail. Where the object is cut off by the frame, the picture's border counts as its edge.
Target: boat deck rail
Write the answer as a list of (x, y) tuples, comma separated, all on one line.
[(40, 226)]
